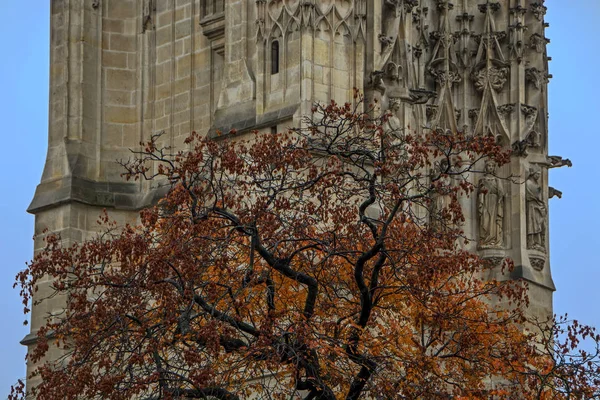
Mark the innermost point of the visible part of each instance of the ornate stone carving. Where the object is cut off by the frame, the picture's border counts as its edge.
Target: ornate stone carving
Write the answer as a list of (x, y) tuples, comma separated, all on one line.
[(444, 5), (307, 14), (385, 41), (445, 77), (376, 81), (489, 75), (529, 111), (442, 65), (538, 10), (534, 139), (417, 51), (279, 17), (536, 77), (457, 114), (490, 209), (517, 30), (538, 42), (506, 109), (431, 111), (95, 4), (494, 261), (536, 211), (520, 147), (493, 6), (537, 263), (518, 10), (464, 36), (496, 76), (393, 72), (474, 114)]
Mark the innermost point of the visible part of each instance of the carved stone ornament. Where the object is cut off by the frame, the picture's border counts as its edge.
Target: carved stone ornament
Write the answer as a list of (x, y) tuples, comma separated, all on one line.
[(537, 263), (95, 4), (497, 76), (494, 6), (520, 147), (417, 51), (281, 17), (534, 139), (393, 72), (444, 5), (538, 10), (490, 209), (474, 113), (537, 212), (506, 109), (445, 77), (538, 42), (536, 77), (431, 111), (528, 111), (494, 261), (376, 81), (385, 41), (409, 5)]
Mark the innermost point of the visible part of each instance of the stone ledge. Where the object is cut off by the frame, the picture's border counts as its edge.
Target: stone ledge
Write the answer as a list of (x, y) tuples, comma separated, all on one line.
[(243, 118), (118, 195), (530, 275)]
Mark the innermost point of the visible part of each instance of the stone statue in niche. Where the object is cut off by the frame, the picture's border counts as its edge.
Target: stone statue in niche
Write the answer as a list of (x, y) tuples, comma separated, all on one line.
[(441, 198), (393, 126), (536, 211), (490, 209)]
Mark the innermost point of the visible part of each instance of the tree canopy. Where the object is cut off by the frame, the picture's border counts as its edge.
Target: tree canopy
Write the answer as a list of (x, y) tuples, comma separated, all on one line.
[(325, 262)]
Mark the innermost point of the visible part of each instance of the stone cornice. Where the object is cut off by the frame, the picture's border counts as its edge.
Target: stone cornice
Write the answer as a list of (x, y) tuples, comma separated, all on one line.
[(118, 195)]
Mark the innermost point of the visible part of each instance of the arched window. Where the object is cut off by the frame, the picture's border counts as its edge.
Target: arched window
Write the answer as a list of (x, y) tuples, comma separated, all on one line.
[(275, 57)]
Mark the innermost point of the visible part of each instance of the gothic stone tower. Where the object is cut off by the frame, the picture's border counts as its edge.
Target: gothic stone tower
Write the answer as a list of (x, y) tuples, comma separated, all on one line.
[(124, 69)]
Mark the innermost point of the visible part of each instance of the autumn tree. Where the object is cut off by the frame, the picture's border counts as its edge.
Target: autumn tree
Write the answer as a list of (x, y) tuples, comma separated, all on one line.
[(326, 262)]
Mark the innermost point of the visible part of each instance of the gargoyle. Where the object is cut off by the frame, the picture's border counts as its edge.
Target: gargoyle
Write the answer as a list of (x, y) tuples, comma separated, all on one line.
[(421, 96), (554, 192), (558, 161)]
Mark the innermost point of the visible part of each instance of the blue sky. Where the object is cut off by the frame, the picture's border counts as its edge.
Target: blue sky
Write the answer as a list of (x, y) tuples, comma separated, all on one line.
[(574, 133)]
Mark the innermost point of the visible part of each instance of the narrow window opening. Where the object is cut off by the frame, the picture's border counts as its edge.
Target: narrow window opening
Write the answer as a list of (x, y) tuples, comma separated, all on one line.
[(274, 130), (275, 57)]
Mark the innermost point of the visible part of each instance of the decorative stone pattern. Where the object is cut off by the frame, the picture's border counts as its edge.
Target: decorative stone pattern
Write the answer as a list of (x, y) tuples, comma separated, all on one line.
[(124, 69)]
